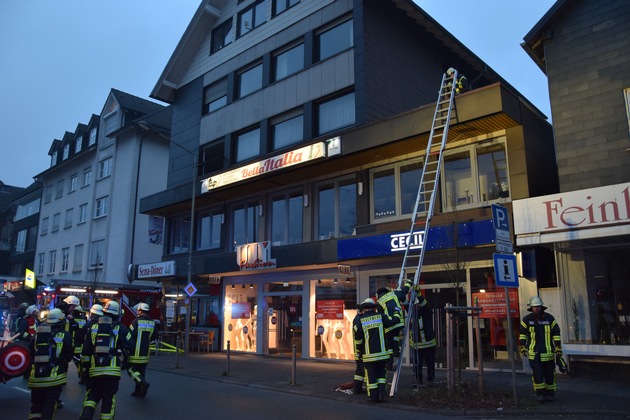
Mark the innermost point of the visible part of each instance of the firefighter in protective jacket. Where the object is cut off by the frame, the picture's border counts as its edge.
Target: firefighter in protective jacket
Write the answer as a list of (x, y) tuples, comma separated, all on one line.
[(143, 331), (369, 338), (422, 339), (391, 301), (104, 350), (51, 351), (540, 342)]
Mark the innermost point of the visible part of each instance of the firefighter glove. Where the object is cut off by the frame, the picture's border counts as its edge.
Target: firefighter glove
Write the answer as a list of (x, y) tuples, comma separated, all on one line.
[(558, 351), (523, 351)]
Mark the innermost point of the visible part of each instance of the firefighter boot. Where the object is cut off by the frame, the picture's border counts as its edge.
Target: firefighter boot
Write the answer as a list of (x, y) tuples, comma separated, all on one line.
[(540, 397), (357, 387), (381, 392), (144, 387)]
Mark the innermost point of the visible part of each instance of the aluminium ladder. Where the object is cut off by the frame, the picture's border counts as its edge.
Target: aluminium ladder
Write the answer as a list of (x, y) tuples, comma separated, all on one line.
[(429, 187)]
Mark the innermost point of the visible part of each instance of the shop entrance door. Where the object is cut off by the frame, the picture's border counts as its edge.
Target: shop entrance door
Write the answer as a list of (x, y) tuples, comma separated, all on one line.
[(284, 324)]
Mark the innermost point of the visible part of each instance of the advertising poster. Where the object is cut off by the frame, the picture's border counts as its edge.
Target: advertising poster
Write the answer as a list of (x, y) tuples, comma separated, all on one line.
[(493, 303), (329, 309)]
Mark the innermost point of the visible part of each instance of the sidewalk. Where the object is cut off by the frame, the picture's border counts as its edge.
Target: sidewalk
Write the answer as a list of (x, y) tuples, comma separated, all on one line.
[(319, 378)]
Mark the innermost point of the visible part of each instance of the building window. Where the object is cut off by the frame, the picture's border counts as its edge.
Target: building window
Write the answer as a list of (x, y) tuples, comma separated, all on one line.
[(59, 191), (102, 207), (66, 151), (209, 230), (87, 177), (248, 144), (53, 158), (337, 212), (48, 194), (92, 137), (44, 226), (40, 263), (250, 80), (25, 210), (395, 189), (287, 129), (288, 62), (78, 144), (31, 238), (179, 234), (56, 221), (77, 262), (286, 219), (222, 35), (245, 223), (52, 262), (335, 40), (20, 241), (252, 17), (65, 259), (280, 6), (336, 113), (215, 96), (68, 221), (213, 157), (474, 176), (83, 212), (105, 167), (97, 254), (74, 181)]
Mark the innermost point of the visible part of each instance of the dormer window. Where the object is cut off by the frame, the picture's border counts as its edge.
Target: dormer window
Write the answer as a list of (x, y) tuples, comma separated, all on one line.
[(92, 137), (53, 159), (78, 145), (66, 151)]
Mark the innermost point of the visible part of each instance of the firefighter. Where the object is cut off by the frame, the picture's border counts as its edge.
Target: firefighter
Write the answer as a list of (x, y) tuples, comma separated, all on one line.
[(391, 301), (96, 311), (369, 338), (359, 371), (67, 306), (104, 351), (422, 339), (143, 331), (461, 84), (51, 352), (28, 324), (79, 317), (540, 343)]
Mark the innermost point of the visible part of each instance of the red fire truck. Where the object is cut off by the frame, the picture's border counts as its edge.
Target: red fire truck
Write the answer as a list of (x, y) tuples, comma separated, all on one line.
[(127, 295)]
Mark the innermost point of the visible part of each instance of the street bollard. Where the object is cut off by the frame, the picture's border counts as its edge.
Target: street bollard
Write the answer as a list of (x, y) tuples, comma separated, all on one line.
[(293, 367), (228, 358)]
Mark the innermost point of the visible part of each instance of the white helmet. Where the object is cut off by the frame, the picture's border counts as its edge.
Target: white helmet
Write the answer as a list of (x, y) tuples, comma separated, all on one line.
[(96, 309), (450, 71), (143, 307), (112, 307), (31, 309), (72, 300), (55, 316), (535, 301)]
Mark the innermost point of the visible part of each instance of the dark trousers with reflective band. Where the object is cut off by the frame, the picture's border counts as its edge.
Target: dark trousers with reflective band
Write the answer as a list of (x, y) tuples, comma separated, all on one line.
[(137, 372), (43, 402), (100, 388), (424, 355), (543, 375), (359, 377), (375, 378)]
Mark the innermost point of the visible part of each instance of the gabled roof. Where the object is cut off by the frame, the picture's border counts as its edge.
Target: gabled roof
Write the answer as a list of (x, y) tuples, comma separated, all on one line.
[(541, 31), (133, 103)]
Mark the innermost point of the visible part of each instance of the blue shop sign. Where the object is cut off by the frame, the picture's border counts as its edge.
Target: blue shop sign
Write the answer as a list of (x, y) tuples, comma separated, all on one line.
[(469, 234)]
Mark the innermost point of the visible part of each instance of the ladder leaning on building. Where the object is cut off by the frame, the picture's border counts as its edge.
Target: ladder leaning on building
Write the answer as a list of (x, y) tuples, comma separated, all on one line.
[(427, 194)]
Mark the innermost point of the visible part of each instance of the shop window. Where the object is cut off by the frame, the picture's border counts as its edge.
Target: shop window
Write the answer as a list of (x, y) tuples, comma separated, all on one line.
[(335, 40), (394, 190), (179, 234), (335, 309), (336, 113), (240, 317), (336, 210), (286, 219), (222, 35), (245, 222), (209, 230)]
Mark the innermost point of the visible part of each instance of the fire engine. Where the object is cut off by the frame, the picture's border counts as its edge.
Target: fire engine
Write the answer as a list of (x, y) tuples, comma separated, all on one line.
[(127, 295)]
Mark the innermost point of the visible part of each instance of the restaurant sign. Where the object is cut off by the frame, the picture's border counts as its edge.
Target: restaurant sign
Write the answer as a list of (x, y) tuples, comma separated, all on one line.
[(285, 160)]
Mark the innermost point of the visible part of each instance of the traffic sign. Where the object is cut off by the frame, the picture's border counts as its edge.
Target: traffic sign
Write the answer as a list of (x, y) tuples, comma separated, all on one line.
[(190, 289), (505, 271), (501, 223)]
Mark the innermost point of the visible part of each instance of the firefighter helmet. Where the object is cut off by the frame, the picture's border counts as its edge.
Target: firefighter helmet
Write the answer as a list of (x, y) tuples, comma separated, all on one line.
[(96, 309), (112, 308), (72, 300), (450, 71), (143, 307), (55, 316), (367, 303), (535, 301), (31, 309)]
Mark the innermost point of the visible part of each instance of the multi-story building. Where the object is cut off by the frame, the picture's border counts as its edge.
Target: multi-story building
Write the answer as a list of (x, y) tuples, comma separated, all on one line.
[(90, 229), (310, 120), (583, 49)]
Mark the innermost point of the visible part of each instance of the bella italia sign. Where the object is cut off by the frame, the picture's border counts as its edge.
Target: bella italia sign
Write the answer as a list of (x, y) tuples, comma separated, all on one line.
[(294, 157)]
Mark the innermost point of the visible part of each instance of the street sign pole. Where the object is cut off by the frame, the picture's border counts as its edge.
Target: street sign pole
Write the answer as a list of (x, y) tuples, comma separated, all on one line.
[(511, 346)]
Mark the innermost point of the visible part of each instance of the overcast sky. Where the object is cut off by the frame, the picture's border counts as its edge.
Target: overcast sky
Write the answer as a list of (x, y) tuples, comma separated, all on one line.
[(61, 58)]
